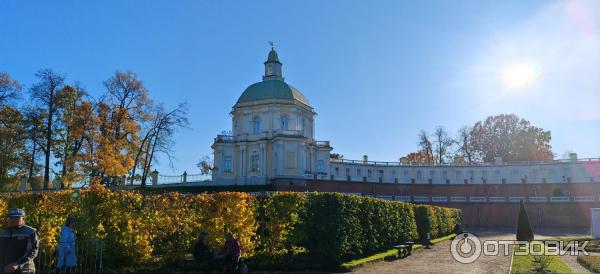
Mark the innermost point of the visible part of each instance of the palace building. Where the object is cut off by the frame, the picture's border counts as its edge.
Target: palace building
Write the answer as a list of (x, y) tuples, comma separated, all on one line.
[(273, 143)]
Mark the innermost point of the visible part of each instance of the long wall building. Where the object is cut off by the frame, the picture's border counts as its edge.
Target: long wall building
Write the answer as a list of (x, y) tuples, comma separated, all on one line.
[(272, 142)]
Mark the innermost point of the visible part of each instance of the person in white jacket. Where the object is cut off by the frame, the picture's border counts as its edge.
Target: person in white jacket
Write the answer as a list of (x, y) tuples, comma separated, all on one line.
[(67, 255)]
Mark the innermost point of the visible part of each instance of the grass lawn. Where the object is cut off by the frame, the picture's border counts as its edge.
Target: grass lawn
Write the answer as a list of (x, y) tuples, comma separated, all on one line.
[(526, 264), (391, 252)]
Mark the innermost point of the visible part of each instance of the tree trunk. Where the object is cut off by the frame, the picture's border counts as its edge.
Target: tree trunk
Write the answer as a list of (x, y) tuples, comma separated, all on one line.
[(137, 157), (149, 161), (32, 163), (48, 141)]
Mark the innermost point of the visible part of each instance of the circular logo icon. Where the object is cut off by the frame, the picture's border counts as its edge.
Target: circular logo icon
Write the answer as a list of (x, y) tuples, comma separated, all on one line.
[(465, 248)]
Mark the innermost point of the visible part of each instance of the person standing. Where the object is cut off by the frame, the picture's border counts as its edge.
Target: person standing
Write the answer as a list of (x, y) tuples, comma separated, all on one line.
[(19, 244), (67, 258), (203, 256), (231, 253)]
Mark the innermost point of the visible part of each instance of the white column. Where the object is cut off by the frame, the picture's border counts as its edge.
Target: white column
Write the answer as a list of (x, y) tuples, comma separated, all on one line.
[(263, 162)]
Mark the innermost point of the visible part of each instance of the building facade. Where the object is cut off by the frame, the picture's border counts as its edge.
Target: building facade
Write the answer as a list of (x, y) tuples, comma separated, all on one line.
[(272, 142), (272, 135), (273, 138)]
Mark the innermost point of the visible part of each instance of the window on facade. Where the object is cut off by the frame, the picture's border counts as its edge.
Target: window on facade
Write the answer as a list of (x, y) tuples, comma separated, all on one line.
[(337, 171), (445, 174), (380, 173), (284, 122), (458, 174), (370, 173), (256, 125), (320, 165), (393, 173), (419, 175), (290, 159), (254, 162), (358, 172), (347, 171), (227, 164)]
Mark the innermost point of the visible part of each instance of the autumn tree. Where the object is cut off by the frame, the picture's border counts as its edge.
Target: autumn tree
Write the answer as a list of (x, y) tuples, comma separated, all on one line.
[(426, 147), (442, 144), (74, 117), (512, 138), (417, 158), (11, 129), (45, 92), (11, 144), (33, 122), (121, 115), (9, 89), (206, 165), (467, 148), (159, 138)]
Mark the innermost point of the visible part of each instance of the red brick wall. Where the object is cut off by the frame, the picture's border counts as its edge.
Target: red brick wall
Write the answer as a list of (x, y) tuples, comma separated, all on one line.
[(556, 215)]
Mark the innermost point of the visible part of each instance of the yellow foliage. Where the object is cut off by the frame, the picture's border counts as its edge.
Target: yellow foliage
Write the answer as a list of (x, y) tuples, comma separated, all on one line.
[(137, 228)]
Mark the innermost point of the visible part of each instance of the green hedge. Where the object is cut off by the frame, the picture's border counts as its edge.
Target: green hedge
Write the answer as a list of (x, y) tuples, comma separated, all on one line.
[(340, 227), (275, 230), (437, 221)]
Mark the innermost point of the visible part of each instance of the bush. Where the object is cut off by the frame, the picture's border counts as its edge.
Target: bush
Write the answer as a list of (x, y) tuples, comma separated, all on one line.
[(437, 221), (340, 227), (281, 216), (284, 229), (592, 263), (524, 230), (140, 229)]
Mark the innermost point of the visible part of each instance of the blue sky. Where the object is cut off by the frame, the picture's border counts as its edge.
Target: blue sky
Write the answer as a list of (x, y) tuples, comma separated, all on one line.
[(376, 72)]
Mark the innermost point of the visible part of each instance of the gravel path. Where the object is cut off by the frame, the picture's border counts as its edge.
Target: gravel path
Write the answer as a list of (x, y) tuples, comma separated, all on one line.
[(440, 260)]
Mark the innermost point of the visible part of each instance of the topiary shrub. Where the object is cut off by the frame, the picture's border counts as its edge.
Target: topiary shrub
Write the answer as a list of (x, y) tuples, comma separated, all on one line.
[(524, 230)]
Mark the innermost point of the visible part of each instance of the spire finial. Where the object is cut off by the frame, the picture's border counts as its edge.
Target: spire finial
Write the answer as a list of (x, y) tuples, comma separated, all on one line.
[(272, 65)]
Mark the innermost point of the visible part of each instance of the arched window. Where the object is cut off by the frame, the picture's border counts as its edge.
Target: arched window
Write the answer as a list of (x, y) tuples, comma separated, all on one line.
[(284, 122), (256, 124)]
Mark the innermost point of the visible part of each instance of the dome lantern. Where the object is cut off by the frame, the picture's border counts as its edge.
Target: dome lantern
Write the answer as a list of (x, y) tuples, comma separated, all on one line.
[(273, 66)]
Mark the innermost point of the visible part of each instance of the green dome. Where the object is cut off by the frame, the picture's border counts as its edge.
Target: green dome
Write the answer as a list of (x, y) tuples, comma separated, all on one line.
[(271, 89)]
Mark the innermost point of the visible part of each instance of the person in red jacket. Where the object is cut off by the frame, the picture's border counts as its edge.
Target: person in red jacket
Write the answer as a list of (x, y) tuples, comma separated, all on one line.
[(231, 253)]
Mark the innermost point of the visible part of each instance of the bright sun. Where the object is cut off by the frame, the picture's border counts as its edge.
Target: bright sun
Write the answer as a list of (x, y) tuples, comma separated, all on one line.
[(520, 75)]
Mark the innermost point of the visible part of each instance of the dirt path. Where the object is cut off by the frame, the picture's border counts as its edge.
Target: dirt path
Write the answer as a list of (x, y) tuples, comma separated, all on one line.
[(440, 260)]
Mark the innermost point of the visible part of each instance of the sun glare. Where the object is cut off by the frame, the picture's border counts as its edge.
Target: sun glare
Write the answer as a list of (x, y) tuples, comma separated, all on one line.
[(520, 75)]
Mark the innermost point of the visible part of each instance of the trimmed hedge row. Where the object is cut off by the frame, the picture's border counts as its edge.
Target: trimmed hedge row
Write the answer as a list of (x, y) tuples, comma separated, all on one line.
[(341, 227), (437, 221), (141, 228)]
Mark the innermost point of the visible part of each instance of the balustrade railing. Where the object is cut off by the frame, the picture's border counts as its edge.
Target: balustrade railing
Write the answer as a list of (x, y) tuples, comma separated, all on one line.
[(88, 253), (383, 163)]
